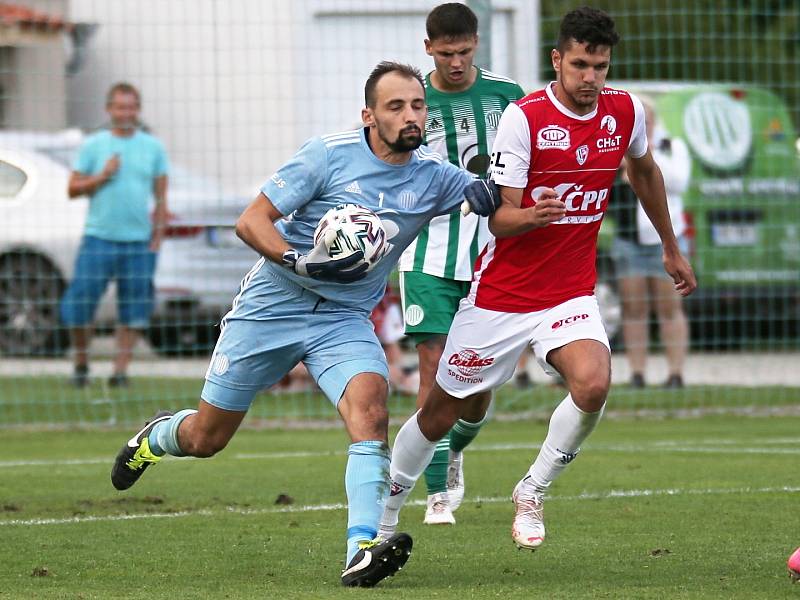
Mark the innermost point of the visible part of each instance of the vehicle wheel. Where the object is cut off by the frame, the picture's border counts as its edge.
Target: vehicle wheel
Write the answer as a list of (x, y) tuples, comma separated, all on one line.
[(610, 309), (184, 333), (30, 290), (608, 299)]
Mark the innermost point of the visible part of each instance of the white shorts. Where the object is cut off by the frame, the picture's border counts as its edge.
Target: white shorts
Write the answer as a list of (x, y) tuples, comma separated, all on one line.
[(483, 346)]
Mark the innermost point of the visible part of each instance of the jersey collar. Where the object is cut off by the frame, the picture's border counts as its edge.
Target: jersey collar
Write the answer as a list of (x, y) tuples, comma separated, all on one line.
[(563, 109)]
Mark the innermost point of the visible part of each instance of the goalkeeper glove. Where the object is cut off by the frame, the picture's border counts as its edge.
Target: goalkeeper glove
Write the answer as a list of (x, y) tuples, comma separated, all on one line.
[(318, 265), (483, 197)]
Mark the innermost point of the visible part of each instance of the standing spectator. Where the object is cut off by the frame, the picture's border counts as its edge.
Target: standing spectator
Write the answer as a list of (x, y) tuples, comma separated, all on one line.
[(643, 284), (465, 103), (121, 169)]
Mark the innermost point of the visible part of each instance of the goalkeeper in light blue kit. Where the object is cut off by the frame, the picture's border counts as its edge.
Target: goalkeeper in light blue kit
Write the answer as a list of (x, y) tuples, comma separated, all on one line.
[(297, 304)]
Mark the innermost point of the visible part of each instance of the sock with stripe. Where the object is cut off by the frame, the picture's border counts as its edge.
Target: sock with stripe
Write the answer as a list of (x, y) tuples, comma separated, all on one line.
[(366, 481), (163, 438), (436, 471), (463, 432)]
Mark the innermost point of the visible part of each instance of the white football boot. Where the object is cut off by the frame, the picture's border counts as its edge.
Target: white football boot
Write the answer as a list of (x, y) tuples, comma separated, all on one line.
[(527, 531), (438, 512), (455, 479)]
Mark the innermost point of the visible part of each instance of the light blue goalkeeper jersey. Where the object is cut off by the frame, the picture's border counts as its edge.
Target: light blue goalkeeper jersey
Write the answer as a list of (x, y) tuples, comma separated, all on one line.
[(341, 168)]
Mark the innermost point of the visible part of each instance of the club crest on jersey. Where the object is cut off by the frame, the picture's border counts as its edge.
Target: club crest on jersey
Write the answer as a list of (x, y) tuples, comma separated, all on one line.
[(608, 123), (407, 199), (581, 154), (552, 137)]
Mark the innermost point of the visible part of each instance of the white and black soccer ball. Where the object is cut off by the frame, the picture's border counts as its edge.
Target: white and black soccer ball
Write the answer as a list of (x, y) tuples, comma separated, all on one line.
[(348, 228)]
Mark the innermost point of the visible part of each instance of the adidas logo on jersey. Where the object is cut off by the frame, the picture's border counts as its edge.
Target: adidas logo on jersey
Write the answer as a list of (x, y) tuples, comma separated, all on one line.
[(353, 188)]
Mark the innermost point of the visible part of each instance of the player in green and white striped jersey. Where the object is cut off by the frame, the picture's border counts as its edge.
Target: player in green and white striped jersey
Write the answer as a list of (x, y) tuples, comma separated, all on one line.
[(465, 103)]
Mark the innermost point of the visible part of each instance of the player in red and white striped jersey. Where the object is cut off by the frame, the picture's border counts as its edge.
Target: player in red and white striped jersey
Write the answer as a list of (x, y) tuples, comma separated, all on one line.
[(554, 158)]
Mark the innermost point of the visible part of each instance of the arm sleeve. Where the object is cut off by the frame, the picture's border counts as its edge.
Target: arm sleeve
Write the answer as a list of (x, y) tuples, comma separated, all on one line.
[(162, 161), (676, 167), (637, 147), (451, 193), (300, 180), (511, 152), (84, 162)]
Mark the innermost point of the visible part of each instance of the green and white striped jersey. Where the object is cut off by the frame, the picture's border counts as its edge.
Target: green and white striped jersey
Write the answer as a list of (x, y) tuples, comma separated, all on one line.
[(461, 126)]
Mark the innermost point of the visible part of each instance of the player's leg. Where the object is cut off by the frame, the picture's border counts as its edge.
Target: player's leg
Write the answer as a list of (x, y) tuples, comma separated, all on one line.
[(570, 340), (248, 357), (429, 304), (438, 511), (480, 354), (251, 354), (674, 327), (347, 362), (466, 429)]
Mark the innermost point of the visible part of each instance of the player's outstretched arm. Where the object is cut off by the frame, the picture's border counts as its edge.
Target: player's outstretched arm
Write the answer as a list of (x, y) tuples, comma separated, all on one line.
[(648, 184), (511, 219)]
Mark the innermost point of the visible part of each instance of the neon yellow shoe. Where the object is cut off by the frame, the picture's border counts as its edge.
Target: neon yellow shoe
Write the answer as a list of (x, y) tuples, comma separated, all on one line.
[(376, 560), (136, 456)]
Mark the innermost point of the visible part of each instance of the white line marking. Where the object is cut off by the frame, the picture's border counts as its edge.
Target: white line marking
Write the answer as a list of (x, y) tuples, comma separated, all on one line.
[(609, 495)]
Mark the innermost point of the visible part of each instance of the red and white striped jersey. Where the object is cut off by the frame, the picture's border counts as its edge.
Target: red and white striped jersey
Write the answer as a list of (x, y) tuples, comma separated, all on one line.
[(542, 144)]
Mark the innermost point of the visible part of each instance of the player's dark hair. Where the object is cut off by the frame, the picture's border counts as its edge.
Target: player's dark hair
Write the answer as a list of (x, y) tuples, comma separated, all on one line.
[(587, 25), (122, 87), (451, 20), (382, 69)]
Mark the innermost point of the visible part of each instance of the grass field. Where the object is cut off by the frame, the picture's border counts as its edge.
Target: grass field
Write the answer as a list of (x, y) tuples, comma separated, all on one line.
[(695, 508)]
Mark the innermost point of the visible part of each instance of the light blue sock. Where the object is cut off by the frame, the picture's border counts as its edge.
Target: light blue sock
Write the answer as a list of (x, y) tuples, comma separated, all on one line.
[(163, 438), (366, 481)]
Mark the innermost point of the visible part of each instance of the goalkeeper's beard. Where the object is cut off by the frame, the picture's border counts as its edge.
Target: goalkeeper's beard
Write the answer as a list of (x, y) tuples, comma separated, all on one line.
[(407, 140)]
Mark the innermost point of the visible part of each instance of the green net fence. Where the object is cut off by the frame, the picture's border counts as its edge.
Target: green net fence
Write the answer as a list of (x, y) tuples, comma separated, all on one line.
[(233, 88)]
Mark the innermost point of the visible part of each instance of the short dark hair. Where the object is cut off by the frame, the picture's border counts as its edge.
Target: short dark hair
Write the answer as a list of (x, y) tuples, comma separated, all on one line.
[(122, 87), (451, 20), (587, 25), (382, 69)]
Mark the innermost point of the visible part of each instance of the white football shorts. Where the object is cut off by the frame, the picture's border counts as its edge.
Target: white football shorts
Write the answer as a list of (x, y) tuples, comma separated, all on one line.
[(483, 346)]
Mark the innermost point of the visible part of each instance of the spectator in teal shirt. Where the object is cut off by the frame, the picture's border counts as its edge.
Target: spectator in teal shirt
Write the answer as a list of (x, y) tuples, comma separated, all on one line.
[(123, 170)]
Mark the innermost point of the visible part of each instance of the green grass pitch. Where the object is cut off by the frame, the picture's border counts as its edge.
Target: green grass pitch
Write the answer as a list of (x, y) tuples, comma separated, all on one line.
[(674, 508)]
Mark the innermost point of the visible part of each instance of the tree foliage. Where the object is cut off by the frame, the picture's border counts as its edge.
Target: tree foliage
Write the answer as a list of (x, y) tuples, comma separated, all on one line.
[(744, 41)]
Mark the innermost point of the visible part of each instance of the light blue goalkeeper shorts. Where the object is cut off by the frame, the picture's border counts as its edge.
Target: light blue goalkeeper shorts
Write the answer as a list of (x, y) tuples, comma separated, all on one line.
[(273, 325)]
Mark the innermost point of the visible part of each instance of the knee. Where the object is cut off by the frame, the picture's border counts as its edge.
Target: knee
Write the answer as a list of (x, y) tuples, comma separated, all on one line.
[(589, 394), (376, 416)]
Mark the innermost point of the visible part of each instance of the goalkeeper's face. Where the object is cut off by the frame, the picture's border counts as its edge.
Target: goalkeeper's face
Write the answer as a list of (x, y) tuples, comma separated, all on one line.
[(398, 117)]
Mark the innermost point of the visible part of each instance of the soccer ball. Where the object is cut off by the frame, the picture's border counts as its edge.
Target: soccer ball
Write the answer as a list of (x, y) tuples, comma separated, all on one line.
[(348, 228)]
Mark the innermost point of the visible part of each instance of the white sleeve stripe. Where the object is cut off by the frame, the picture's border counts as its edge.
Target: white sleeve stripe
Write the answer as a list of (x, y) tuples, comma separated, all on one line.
[(434, 156), (342, 142), (496, 77), (341, 134)]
